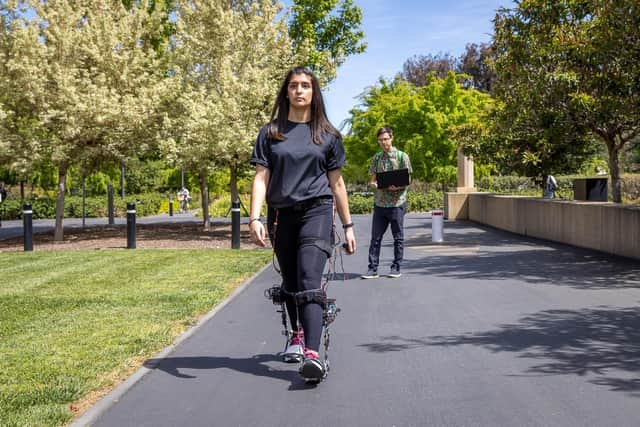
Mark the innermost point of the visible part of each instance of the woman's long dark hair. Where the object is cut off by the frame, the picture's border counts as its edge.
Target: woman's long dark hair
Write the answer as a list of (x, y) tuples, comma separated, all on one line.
[(319, 123)]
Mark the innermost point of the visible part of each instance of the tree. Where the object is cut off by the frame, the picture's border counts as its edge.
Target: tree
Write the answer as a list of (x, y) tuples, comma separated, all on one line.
[(19, 127), (476, 61), (88, 78), (325, 33), (424, 120), (417, 68), (230, 58), (577, 61)]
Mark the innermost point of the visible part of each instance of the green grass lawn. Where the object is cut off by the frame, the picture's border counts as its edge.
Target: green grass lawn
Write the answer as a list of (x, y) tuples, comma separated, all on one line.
[(75, 323)]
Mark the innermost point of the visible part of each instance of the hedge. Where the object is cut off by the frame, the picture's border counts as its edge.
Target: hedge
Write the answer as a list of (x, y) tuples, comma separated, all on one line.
[(95, 207)]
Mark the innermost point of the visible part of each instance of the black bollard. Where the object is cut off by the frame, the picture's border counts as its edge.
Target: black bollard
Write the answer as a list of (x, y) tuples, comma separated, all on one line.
[(170, 206), (27, 220), (235, 224), (110, 209), (131, 225)]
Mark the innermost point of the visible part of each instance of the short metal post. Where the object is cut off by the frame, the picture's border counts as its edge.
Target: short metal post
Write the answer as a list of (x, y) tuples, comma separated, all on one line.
[(27, 220), (235, 224), (437, 224), (131, 225), (110, 204), (170, 206)]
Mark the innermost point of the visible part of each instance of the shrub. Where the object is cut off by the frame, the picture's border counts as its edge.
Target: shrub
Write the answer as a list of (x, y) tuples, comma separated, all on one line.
[(95, 207), (219, 207), (361, 203), (424, 202), (631, 188)]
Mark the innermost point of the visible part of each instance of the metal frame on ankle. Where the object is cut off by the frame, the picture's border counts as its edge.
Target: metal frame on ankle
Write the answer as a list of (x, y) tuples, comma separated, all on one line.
[(277, 294)]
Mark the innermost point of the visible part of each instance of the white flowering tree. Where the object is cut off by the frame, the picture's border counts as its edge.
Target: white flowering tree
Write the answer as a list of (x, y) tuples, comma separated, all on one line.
[(85, 81), (230, 58), (19, 127)]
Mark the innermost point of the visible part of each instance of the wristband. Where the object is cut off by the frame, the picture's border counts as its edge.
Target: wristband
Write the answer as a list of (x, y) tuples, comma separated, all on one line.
[(253, 219), (349, 225)]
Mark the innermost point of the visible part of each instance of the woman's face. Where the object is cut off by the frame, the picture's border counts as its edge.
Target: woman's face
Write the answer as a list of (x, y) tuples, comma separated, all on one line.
[(300, 91)]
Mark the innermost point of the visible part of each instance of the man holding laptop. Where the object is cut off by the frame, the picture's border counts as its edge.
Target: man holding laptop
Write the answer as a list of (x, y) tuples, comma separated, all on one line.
[(390, 171)]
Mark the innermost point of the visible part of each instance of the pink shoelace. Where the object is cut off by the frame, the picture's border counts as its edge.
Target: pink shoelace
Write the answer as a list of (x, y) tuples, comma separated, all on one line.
[(310, 354), (298, 338)]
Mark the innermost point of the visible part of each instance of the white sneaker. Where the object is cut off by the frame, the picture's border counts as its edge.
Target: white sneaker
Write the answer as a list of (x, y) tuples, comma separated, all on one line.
[(294, 352), (313, 371)]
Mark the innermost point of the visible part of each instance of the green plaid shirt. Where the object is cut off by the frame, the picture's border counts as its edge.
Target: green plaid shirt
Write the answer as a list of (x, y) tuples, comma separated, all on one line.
[(384, 162)]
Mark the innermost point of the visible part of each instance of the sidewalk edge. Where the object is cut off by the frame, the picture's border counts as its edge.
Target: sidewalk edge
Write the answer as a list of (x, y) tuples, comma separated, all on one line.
[(102, 405)]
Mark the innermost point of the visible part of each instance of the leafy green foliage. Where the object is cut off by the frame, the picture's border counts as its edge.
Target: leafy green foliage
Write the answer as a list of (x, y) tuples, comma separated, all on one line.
[(567, 69), (325, 33), (416, 202), (95, 207), (474, 67), (424, 122)]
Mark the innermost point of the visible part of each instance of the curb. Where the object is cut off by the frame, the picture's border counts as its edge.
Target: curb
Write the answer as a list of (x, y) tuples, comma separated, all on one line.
[(102, 405)]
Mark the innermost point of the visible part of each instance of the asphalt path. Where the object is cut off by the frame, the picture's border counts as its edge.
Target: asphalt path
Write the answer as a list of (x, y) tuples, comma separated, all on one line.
[(485, 329)]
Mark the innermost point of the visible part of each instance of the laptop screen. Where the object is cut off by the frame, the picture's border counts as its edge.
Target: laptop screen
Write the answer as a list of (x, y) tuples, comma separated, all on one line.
[(398, 177)]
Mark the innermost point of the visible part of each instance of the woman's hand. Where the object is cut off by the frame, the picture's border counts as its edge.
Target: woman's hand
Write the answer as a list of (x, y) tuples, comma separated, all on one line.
[(350, 241), (257, 233)]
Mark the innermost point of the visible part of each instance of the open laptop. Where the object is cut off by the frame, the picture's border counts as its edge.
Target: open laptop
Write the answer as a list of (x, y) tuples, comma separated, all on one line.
[(398, 177)]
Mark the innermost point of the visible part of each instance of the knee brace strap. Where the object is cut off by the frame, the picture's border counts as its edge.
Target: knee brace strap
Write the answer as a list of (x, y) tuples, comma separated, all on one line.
[(316, 296)]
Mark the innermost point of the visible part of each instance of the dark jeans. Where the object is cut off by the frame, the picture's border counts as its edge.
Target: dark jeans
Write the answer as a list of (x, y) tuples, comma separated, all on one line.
[(382, 217), (302, 243)]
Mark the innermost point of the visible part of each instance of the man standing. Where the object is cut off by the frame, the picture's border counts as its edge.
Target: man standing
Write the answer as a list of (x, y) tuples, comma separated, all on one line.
[(389, 204)]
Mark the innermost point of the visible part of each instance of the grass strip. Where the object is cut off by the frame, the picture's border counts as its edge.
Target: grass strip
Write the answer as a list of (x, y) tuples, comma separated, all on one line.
[(75, 323)]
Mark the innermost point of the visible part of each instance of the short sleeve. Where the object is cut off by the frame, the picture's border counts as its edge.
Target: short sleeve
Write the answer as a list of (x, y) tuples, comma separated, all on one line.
[(336, 157), (261, 150)]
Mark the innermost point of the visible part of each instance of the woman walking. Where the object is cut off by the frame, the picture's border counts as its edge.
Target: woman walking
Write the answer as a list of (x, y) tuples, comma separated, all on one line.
[(298, 157)]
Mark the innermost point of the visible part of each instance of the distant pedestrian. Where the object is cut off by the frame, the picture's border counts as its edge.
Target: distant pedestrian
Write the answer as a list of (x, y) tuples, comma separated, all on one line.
[(550, 187), (3, 192), (184, 198), (390, 204)]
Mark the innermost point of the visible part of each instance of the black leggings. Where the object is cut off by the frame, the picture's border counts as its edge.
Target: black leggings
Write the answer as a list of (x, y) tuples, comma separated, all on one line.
[(302, 243)]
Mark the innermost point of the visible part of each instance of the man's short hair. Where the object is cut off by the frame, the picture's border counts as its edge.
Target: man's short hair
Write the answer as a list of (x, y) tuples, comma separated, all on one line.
[(384, 129)]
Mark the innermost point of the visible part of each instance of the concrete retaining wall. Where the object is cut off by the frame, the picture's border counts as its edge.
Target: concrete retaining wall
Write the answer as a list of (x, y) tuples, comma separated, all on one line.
[(607, 227)]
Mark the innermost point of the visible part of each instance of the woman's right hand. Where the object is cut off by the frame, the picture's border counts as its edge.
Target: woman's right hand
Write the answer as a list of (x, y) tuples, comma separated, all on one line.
[(257, 233)]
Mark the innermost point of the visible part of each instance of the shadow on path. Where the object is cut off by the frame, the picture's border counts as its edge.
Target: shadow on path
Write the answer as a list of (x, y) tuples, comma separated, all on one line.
[(602, 342), (498, 255), (254, 365)]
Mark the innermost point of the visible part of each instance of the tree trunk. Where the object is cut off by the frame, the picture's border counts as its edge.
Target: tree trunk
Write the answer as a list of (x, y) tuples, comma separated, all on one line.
[(234, 183), (204, 195), (58, 234), (614, 170)]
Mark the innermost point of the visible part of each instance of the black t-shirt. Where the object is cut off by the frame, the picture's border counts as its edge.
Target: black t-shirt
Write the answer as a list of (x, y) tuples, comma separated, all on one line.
[(298, 166)]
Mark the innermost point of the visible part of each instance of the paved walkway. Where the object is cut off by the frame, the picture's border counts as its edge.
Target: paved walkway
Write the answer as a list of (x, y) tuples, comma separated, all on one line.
[(485, 329)]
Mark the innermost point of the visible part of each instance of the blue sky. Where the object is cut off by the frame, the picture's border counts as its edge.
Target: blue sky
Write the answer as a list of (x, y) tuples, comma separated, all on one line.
[(396, 30)]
